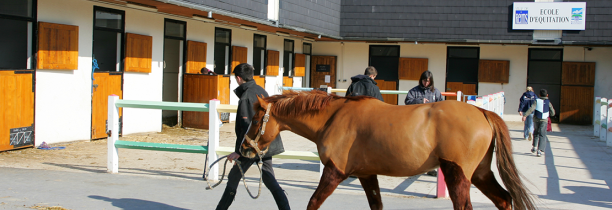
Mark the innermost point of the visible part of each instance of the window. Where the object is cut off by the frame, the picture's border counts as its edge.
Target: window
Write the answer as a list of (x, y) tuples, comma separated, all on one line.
[(223, 41), (544, 70), (385, 58), (259, 54), (462, 64), (307, 48), (288, 58), (107, 39), (17, 18)]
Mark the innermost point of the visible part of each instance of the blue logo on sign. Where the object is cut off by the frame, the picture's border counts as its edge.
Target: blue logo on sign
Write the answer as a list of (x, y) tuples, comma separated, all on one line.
[(577, 15), (521, 17)]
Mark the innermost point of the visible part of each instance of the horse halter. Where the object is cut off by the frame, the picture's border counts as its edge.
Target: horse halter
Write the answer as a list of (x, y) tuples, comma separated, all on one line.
[(254, 143)]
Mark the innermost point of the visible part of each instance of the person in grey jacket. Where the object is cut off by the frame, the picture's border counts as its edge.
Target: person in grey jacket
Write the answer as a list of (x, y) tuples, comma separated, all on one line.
[(248, 91), (542, 109), (425, 92)]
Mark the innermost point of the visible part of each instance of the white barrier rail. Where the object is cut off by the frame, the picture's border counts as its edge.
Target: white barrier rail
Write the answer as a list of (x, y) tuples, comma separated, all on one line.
[(213, 149), (602, 117)]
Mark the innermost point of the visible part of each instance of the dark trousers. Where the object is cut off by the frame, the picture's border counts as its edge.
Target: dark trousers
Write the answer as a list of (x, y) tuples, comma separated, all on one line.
[(234, 177), (539, 134)]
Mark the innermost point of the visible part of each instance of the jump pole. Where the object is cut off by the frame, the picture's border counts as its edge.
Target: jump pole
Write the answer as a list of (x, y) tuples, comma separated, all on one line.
[(603, 119), (441, 189), (112, 164), (597, 116), (213, 138), (609, 131)]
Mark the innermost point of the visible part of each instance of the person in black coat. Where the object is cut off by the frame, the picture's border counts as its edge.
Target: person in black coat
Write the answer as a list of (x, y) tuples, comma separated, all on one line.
[(248, 91), (364, 84)]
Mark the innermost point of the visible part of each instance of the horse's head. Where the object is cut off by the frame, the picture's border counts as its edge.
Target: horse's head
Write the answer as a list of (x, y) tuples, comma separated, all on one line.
[(262, 131)]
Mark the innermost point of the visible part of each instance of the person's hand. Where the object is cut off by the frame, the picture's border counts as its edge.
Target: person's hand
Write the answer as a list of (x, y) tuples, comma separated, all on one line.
[(521, 113), (425, 100), (524, 118), (233, 156)]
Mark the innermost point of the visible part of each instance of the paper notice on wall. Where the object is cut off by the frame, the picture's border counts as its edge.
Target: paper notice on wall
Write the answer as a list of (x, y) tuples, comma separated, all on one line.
[(327, 78)]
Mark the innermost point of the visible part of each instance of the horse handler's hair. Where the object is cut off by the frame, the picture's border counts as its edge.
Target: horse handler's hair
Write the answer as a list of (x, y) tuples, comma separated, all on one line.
[(427, 75), (370, 70), (244, 71)]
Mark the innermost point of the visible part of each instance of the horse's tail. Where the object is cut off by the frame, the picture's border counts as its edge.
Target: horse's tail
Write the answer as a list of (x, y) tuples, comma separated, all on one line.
[(521, 196)]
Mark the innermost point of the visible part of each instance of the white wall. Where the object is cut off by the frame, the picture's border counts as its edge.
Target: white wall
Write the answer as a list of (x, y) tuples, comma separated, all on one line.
[(517, 83), (603, 70), (436, 55), (63, 98), (144, 86)]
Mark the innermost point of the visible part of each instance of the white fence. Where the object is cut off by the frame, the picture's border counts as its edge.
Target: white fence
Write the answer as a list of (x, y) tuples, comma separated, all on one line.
[(602, 114)]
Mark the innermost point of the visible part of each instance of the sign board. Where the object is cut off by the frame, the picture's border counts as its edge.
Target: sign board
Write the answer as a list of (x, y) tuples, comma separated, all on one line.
[(327, 78), (21, 136), (549, 16), (323, 68)]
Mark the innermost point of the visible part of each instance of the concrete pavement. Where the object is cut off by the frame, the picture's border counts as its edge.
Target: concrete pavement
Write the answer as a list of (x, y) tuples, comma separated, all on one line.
[(574, 173)]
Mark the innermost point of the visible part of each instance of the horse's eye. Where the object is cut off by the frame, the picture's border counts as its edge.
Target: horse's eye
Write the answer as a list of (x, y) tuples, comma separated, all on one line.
[(255, 121)]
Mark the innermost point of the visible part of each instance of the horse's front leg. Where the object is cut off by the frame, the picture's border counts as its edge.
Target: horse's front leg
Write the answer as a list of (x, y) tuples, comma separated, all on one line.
[(330, 179), (372, 190)]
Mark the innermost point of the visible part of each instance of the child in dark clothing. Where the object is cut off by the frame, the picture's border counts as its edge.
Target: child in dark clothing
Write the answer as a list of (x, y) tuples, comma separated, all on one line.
[(542, 108)]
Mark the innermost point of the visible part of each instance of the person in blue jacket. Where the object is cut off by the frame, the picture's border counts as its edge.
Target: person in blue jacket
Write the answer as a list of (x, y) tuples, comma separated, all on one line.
[(527, 99), (424, 93)]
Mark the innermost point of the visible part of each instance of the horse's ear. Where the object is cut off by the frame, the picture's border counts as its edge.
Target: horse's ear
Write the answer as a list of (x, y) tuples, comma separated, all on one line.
[(262, 102)]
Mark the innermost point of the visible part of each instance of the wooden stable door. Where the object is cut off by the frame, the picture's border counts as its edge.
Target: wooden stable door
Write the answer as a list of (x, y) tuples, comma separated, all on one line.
[(104, 84), (466, 89), (260, 80), (388, 85), (287, 81), (322, 66), (577, 92), (201, 88), (16, 110)]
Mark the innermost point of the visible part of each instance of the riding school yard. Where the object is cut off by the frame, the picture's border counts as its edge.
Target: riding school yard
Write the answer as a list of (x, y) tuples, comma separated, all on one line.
[(574, 172)]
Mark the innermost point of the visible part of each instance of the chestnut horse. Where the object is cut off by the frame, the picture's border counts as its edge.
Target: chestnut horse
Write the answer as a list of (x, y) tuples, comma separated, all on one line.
[(364, 137)]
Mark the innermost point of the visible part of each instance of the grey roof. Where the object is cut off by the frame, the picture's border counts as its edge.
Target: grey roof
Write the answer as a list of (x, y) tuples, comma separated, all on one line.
[(416, 20), (254, 8), (318, 15)]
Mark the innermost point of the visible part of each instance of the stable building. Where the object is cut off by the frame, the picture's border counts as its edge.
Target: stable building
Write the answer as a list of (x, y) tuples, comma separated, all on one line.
[(60, 59)]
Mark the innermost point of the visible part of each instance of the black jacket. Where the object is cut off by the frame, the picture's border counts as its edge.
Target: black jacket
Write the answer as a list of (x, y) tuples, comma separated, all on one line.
[(248, 92), (363, 85)]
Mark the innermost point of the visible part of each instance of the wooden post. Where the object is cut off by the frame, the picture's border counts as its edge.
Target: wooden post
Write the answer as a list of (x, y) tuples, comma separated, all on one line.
[(112, 165), (596, 116), (213, 138), (603, 119)]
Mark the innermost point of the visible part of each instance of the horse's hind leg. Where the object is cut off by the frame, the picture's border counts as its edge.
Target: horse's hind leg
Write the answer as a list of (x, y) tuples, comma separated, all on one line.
[(330, 179), (458, 185), (370, 186), (485, 181)]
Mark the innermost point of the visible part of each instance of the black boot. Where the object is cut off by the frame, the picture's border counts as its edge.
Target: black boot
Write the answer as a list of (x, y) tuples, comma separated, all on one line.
[(226, 200), (281, 200)]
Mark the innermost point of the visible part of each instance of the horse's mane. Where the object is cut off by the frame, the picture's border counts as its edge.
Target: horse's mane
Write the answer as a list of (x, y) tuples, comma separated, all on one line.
[(296, 103)]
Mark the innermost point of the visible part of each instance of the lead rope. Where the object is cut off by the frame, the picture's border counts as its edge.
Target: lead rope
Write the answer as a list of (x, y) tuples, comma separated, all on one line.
[(205, 177), (259, 153)]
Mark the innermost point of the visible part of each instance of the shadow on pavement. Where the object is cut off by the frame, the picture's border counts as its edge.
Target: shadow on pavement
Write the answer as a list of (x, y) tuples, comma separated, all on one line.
[(137, 171), (593, 156), (133, 204)]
